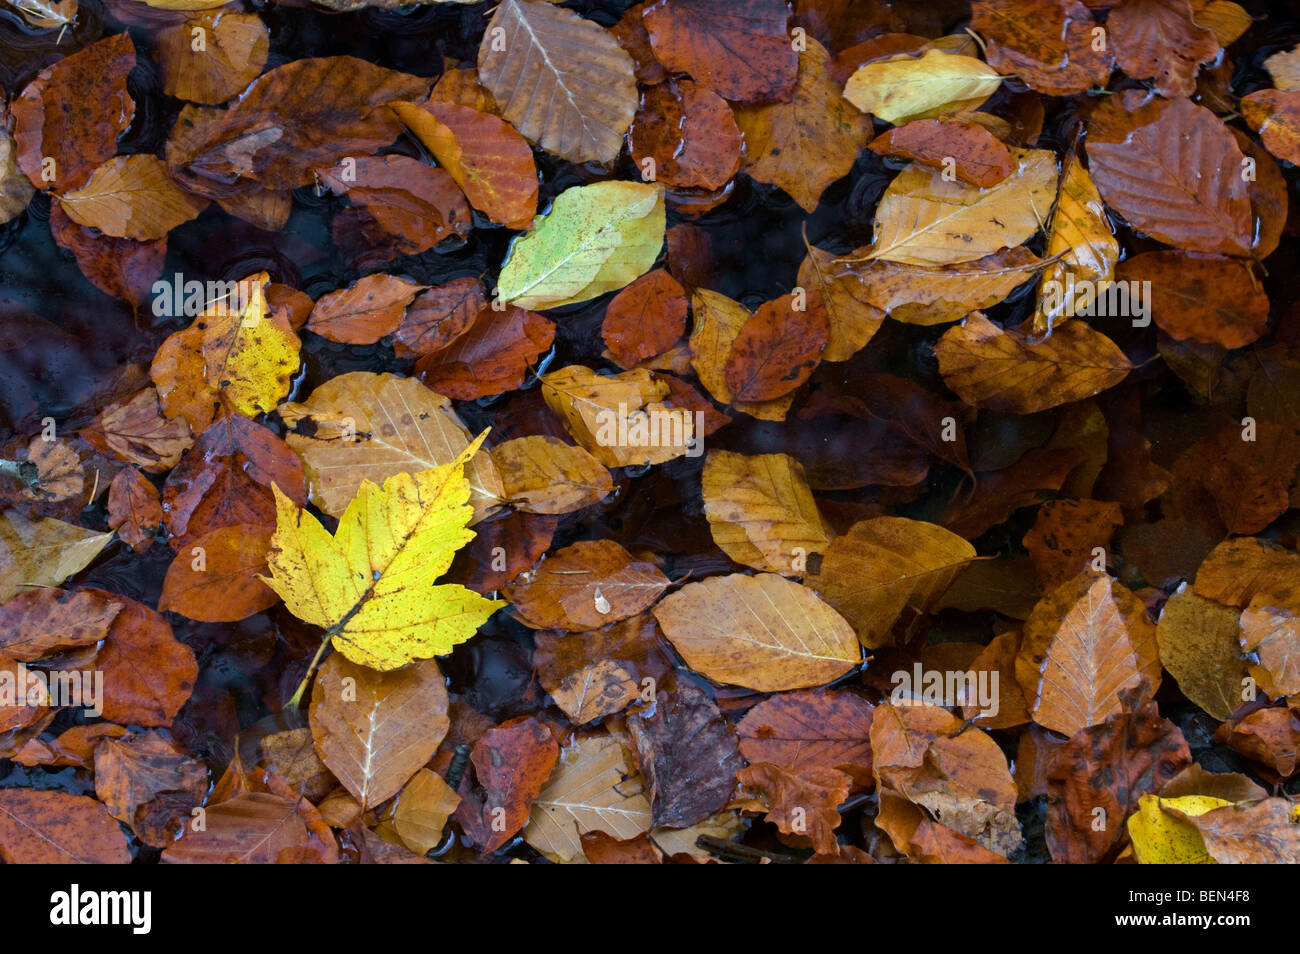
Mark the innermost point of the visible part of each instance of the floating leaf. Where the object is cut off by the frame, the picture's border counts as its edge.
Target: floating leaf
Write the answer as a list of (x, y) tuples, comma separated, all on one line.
[(585, 586), (903, 88)]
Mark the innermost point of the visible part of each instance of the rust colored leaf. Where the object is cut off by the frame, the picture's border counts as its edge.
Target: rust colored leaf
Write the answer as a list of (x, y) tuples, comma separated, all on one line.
[(688, 755), (1049, 45), (493, 355), (741, 51), (364, 312), (604, 849), (645, 319), (133, 771), (585, 586), (511, 764), (974, 154), (41, 827), (74, 111), (122, 268), (1247, 481), (1263, 832), (522, 536), (26, 701), (778, 348), (1270, 737), (148, 673), (1102, 772), (133, 508), (805, 804), (375, 730), (1275, 115), (1139, 160), (491, 162), (689, 135), (298, 117), (214, 577), (1159, 40), (134, 430), (41, 622), (811, 728), (75, 747), (438, 316), (1211, 299), (1064, 537), (235, 50)]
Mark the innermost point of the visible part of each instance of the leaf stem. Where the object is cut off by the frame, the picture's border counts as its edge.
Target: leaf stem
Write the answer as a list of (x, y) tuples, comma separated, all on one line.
[(302, 686)]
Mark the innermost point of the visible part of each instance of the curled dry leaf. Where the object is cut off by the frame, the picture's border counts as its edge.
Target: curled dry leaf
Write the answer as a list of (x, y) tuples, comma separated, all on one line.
[(375, 730), (135, 430), (490, 162), (585, 586), (1270, 737), (561, 80), (1005, 371), (542, 474), (761, 512), (763, 632), (804, 804), (364, 426)]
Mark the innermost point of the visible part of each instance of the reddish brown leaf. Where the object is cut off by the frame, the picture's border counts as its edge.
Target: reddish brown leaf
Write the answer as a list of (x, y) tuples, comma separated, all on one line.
[(41, 827), (645, 319), (492, 356), (506, 545), (1270, 737), (364, 312), (778, 348), (41, 622), (806, 804), (1065, 534), (214, 577), (511, 764), (974, 154), (134, 430), (148, 673), (75, 747), (1159, 40), (1050, 45), (133, 508), (131, 772), (123, 268), (604, 849), (1211, 299), (585, 586), (689, 135), (438, 316), (811, 728)]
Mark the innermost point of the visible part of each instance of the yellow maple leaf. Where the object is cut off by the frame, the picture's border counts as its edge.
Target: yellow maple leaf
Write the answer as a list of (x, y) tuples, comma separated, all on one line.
[(370, 586), (1160, 838)]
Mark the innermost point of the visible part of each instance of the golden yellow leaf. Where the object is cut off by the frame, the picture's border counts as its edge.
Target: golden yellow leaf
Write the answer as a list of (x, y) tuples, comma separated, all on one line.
[(422, 810), (1163, 839), (761, 511), (235, 355), (907, 87), (43, 552), (370, 585), (367, 426)]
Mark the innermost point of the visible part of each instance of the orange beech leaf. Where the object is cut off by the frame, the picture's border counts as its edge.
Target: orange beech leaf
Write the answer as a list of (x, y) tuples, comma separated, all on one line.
[(778, 348), (214, 577), (511, 764), (438, 316), (1208, 298), (235, 50), (42, 827), (805, 804), (1160, 41), (491, 356), (645, 319), (148, 673), (1050, 44), (585, 586), (975, 154), (689, 135), (364, 312)]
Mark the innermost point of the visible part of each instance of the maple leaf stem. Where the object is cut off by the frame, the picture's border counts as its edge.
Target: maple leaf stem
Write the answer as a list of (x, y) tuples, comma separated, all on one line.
[(296, 698)]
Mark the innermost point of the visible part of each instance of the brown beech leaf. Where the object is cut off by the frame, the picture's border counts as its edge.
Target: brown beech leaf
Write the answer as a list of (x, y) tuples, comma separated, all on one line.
[(777, 348), (688, 756), (291, 754), (1237, 570), (524, 537), (133, 508), (974, 154), (77, 139), (687, 134), (42, 622), (585, 586), (561, 80), (645, 319), (226, 479), (298, 117), (718, 322), (133, 771), (1100, 775), (1263, 832), (438, 316), (122, 268), (761, 511), (1003, 370), (42, 552), (266, 822), (1211, 299), (365, 311), (234, 51), (1200, 647), (1065, 535), (884, 564), (27, 703), (960, 778), (405, 206), (543, 474), (805, 144), (852, 319), (1140, 171), (134, 430), (805, 804), (511, 764), (148, 671), (594, 787), (631, 34), (811, 728), (423, 808), (493, 355), (1159, 40), (1275, 115), (763, 632), (1247, 481), (366, 426), (1010, 707), (602, 849), (741, 51), (1270, 737), (375, 730), (1050, 45), (42, 827), (132, 197), (491, 162), (214, 578), (622, 420), (599, 672), (75, 747)]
